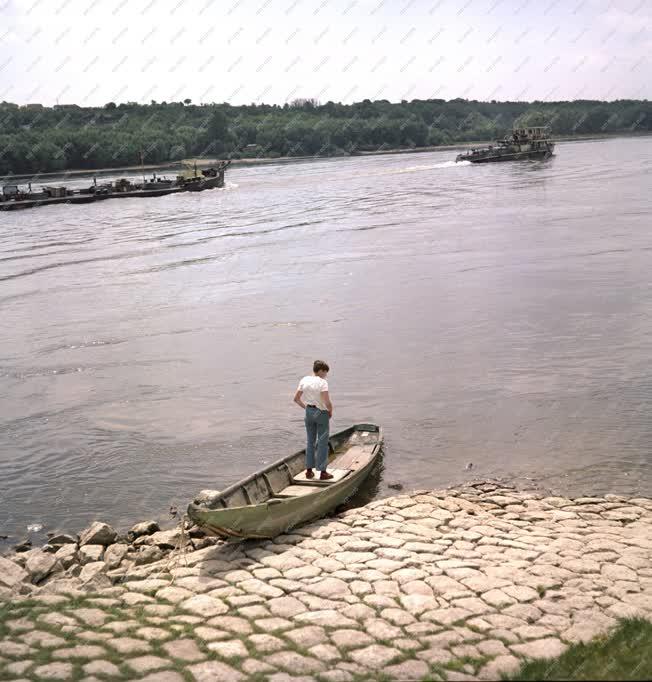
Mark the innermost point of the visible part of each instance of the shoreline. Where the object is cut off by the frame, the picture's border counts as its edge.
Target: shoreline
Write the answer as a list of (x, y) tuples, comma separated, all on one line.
[(467, 582), (260, 161)]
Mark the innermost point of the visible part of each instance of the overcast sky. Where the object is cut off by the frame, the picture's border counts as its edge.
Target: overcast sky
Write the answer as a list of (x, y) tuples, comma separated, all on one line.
[(90, 52)]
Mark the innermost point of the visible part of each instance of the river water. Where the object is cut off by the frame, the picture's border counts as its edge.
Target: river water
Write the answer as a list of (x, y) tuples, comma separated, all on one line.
[(499, 315)]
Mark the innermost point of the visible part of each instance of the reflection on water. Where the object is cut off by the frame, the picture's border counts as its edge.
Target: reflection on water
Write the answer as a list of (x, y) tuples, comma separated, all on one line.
[(497, 314)]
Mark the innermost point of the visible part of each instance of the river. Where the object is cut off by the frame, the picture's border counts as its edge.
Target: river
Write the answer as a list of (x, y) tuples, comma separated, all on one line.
[(497, 315)]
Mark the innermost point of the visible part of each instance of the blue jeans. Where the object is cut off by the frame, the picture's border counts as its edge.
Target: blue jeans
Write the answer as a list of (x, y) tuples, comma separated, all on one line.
[(317, 422)]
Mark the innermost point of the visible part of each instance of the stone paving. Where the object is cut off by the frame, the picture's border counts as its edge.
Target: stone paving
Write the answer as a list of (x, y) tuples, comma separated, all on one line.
[(457, 584)]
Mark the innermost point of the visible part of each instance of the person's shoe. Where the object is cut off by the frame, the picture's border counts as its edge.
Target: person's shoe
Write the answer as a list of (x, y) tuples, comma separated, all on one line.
[(325, 476), (310, 473)]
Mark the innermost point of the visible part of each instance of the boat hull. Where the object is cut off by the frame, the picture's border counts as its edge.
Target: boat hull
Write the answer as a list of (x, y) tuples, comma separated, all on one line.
[(198, 184), (275, 516), (270, 519), (516, 156)]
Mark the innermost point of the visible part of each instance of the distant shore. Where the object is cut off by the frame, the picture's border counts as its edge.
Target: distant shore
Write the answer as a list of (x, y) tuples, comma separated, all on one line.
[(258, 161)]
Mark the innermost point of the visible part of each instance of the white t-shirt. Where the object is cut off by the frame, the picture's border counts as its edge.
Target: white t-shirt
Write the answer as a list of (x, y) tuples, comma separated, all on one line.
[(313, 388)]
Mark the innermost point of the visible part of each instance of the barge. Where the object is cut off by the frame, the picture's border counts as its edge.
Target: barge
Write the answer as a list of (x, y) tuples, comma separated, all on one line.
[(13, 198), (523, 143)]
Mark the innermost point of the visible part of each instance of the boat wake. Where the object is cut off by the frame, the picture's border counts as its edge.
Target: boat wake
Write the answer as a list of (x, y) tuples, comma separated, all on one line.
[(442, 164), (427, 167)]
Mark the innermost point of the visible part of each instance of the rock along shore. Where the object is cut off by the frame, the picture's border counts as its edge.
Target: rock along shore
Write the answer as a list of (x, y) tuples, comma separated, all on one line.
[(455, 584)]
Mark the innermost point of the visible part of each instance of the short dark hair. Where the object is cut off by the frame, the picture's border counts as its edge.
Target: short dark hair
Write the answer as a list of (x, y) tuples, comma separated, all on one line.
[(319, 365)]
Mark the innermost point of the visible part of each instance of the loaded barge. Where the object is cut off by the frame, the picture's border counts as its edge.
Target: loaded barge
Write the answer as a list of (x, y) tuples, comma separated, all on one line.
[(12, 198), (523, 143)]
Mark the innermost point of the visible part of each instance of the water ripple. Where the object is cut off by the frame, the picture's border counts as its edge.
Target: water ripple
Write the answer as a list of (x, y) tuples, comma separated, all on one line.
[(498, 314)]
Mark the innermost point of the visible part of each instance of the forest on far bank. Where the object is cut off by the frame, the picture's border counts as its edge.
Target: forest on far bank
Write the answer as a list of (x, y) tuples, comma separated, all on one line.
[(38, 139)]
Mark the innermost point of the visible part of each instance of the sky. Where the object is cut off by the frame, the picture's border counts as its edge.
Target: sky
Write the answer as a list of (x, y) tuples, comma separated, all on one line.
[(90, 52)]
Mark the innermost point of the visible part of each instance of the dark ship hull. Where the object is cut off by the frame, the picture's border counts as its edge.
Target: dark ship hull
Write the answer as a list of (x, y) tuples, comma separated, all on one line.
[(492, 157), (210, 178)]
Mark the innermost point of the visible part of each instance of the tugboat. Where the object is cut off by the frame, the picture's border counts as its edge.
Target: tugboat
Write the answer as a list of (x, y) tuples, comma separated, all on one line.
[(12, 197), (524, 143)]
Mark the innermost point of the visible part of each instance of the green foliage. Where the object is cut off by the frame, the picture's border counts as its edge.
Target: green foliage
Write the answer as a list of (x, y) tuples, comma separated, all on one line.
[(625, 654), (36, 139)]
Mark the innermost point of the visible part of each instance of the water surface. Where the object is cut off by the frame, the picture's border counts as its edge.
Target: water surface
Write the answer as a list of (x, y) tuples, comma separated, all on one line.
[(497, 314)]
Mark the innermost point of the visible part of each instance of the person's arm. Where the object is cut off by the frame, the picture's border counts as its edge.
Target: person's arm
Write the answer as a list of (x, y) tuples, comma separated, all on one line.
[(327, 401), (297, 399)]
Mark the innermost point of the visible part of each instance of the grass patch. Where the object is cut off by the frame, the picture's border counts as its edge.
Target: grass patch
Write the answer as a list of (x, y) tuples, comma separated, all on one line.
[(624, 654), (459, 663)]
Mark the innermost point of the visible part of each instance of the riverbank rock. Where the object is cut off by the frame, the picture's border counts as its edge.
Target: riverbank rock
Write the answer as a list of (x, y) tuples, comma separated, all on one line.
[(89, 553), (21, 558), (147, 555), (98, 533), (166, 539), (203, 542), (62, 539), (93, 578), (115, 554), (41, 564), (195, 531), (207, 497), (143, 528), (11, 574), (67, 555)]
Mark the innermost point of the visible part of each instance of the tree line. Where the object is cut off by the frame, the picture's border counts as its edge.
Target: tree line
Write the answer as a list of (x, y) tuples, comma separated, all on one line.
[(38, 139)]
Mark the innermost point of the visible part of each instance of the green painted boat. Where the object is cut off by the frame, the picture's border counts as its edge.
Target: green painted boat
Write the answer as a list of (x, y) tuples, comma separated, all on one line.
[(279, 497)]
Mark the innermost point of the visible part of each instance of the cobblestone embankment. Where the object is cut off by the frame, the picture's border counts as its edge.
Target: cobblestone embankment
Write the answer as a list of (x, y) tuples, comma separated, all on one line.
[(454, 584)]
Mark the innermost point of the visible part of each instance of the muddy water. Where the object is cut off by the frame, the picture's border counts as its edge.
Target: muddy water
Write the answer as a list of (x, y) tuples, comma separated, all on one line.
[(499, 315)]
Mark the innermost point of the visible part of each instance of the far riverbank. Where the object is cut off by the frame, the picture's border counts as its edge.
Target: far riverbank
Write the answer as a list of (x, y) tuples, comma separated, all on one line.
[(263, 160)]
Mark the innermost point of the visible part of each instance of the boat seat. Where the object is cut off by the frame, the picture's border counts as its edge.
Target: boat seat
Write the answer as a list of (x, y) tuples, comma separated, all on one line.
[(338, 475), (354, 458), (296, 491)]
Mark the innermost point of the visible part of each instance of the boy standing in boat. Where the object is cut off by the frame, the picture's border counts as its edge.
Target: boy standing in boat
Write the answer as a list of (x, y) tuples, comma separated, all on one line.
[(312, 396)]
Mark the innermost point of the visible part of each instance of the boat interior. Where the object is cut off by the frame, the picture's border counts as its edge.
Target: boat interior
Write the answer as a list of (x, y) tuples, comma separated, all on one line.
[(349, 451)]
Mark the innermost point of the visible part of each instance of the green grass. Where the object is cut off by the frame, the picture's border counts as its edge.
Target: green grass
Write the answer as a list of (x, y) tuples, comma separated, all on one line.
[(624, 654)]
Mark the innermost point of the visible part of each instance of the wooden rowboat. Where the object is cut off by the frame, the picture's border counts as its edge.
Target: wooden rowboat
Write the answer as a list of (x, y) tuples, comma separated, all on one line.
[(279, 497)]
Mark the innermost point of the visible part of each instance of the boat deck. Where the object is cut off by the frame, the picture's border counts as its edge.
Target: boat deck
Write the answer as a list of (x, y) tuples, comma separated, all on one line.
[(340, 467), (87, 198)]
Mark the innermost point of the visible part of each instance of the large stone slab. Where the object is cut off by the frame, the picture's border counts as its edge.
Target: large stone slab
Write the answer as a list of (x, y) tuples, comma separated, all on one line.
[(101, 668), (98, 533), (54, 671), (233, 648), (184, 650), (327, 618), (11, 574), (211, 671), (129, 645), (286, 606), (549, 647), (295, 663), (204, 605), (115, 554), (375, 656), (143, 528), (66, 555), (40, 565), (89, 553)]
